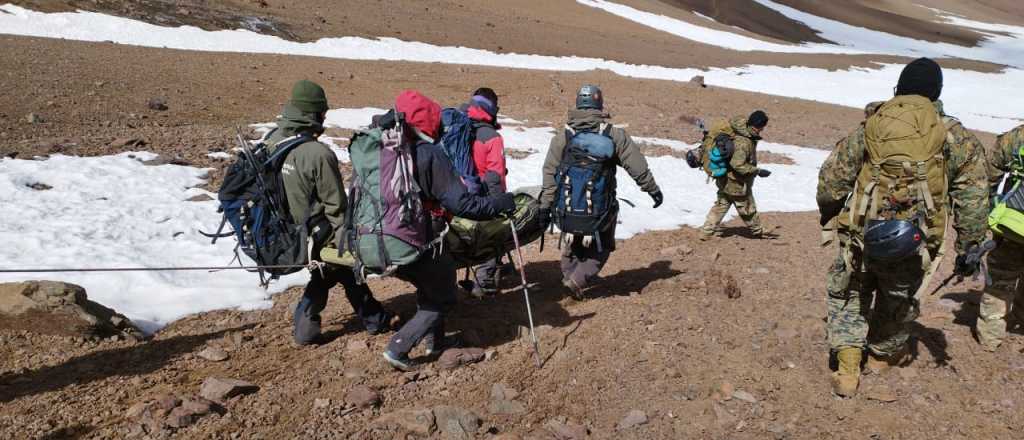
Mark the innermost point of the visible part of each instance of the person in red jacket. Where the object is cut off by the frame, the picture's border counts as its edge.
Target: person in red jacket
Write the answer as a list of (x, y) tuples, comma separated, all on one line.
[(489, 159)]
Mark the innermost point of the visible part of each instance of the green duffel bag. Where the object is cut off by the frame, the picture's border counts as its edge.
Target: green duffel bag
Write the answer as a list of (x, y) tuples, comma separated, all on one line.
[(473, 242)]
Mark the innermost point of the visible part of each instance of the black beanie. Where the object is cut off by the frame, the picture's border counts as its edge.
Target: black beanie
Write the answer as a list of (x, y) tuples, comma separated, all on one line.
[(757, 119), (921, 77)]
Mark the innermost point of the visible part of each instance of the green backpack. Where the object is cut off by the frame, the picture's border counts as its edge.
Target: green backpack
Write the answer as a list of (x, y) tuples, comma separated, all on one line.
[(386, 225), (1007, 218)]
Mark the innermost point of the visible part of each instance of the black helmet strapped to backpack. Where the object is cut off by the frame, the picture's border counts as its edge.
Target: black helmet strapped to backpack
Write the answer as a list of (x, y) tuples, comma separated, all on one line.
[(892, 240), (590, 97)]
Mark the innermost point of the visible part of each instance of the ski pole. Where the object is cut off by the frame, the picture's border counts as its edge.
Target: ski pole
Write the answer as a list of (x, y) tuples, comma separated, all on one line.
[(526, 293)]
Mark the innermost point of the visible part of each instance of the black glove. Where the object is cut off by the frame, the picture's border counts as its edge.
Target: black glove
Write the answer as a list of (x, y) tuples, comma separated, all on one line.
[(966, 267), (829, 211), (658, 198), (544, 218), (493, 182), (505, 203), (763, 172)]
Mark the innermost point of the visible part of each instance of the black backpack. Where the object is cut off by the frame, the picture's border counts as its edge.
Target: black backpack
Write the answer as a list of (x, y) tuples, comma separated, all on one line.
[(253, 201)]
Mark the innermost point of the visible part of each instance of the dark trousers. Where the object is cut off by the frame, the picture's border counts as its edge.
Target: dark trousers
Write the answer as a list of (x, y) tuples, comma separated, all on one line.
[(314, 299), (434, 279), (487, 273), (582, 262)]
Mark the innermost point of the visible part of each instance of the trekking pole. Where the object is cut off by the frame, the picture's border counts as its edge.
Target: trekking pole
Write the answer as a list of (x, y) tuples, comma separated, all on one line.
[(526, 293)]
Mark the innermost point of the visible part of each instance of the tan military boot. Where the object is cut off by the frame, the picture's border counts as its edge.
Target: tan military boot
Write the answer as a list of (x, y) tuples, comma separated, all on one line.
[(847, 377), (877, 364)]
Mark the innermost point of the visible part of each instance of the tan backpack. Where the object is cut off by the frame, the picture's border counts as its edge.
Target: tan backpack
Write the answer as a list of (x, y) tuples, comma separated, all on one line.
[(904, 173), (716, 166)]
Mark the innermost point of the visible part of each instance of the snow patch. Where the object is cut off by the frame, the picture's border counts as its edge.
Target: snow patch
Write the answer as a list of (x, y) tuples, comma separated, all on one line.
[(113, 211)]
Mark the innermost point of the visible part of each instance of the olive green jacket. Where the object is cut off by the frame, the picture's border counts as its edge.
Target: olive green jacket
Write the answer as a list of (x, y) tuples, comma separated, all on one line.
[(739, 181), (627, 154), (312, 179)]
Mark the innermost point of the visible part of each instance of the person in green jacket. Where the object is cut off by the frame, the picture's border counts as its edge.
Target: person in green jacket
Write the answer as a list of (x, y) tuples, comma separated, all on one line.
[(316, 195), (583, 259), (736, 187)]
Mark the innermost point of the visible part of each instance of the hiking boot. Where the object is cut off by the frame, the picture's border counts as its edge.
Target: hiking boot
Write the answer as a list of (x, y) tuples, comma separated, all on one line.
[(846, 378), (879, 364), (989, 344), (432, 346), (575, 291), (479, 291), (400, 363), (705, 236), (391, 323)]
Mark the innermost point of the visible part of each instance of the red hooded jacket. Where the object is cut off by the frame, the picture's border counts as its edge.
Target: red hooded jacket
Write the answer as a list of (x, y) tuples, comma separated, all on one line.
[(489, 147)]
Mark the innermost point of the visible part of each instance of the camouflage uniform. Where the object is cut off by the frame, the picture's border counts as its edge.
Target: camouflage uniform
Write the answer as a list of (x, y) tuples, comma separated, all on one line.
[(1006, 262), (853, 282), (736, 187)]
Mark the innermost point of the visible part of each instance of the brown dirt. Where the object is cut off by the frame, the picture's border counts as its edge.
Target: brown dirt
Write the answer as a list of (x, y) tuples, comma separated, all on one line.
[(91, 95), (655, 337)]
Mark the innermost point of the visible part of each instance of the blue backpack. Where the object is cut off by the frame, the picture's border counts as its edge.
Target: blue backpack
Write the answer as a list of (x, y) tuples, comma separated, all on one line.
[(253, 201), (585, 189), (457, 138)]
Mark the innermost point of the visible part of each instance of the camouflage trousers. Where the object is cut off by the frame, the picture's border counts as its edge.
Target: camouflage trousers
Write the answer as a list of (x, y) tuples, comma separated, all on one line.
[(745, 207), (872, 306), (1004, 294)]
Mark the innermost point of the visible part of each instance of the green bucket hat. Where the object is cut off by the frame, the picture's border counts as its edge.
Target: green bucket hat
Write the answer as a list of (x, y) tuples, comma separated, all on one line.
[(309, 97)]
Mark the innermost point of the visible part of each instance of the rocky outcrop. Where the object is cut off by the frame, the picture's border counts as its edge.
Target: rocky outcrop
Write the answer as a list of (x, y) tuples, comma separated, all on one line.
[(56, 308)]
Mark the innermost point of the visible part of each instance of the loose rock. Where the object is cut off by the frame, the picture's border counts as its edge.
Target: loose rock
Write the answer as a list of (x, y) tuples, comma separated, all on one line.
[(220, 389), (63, 309), (565, 430), (213, 354), (744, 396), (456, 423), (158, 104), (362, 396), (633, 418), (453, 358), (416, 421)]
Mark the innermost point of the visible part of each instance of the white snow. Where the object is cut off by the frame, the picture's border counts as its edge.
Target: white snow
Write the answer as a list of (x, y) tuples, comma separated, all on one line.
[(219, 155), (710, 36), (979, 99), (1001, 50), (113, 211)]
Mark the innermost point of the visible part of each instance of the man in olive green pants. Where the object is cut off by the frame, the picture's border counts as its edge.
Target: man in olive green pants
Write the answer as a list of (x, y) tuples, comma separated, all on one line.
[(736, 187)]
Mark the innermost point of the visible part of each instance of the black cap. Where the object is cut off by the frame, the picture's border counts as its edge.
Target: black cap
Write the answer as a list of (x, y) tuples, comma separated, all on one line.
[(921, 77), (757, 119)]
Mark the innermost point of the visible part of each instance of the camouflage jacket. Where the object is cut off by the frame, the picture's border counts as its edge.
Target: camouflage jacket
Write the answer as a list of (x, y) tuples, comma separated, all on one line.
[(743, 165), (965, 168), (1002, 154)]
